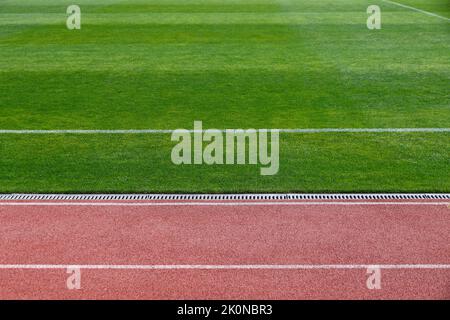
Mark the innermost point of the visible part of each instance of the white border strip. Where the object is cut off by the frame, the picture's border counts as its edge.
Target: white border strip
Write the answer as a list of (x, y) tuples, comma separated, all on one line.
[(226, 197), (157, 131), (415, 9), (196, 204), (228, 267)]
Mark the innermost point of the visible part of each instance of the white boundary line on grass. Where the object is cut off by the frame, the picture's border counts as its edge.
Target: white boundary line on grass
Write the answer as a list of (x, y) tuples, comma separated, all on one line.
[(415, 9), (159, 131), (171, 204), (228, 267)]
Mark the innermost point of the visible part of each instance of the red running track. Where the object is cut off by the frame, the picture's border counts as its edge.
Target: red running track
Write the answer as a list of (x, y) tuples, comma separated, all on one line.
[(221, 250)]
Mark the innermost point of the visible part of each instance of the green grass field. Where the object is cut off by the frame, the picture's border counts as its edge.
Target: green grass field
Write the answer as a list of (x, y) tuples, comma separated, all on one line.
[(161, 64)]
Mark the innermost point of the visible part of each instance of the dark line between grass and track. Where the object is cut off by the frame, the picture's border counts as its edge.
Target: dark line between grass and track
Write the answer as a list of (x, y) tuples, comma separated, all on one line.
[(209, 197)]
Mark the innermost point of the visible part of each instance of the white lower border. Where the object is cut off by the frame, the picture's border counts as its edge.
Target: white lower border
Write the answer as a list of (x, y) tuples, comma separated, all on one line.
[(228, 204)]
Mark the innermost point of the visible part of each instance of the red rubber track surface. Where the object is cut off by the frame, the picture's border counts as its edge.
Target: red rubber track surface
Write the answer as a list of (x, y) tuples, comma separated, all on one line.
[(222, 235)]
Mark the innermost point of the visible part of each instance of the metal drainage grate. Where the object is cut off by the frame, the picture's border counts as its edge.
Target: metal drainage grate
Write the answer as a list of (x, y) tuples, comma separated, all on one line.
[(170, 197)]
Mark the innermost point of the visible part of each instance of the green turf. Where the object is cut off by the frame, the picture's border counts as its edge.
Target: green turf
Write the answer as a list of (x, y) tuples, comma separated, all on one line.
[(316, 163), (162, 64)]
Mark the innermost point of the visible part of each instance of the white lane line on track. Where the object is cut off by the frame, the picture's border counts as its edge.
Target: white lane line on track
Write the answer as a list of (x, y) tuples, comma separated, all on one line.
[(228, 267), (162, 204), (157, 131), (416, 9)]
